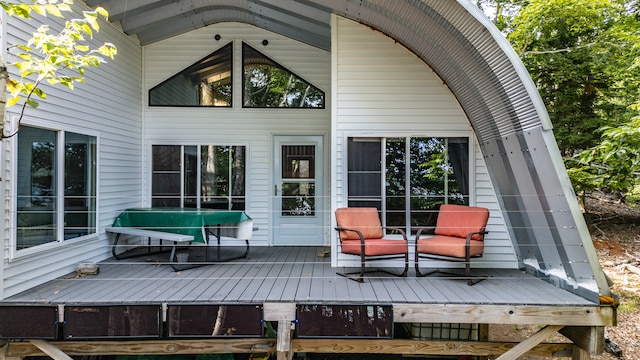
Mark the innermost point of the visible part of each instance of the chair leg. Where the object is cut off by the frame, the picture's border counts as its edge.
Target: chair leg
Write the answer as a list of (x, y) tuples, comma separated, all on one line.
[(417, 265), (360, 278), (363, 270), (471, 279)]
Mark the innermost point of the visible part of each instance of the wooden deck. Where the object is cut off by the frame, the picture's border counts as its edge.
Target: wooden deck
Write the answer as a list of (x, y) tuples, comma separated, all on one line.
[(280, 279), (287, 274)]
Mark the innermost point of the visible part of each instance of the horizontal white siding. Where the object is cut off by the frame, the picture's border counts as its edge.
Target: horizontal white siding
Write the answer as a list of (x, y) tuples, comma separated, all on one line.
[(109, 106), (253, 128), (383, 90)]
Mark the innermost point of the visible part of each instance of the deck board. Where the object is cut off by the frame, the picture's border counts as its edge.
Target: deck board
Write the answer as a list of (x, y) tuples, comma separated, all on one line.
[(286, 274)]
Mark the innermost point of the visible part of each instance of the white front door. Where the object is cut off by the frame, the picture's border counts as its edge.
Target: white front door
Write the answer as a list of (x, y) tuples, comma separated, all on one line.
[(298, 191)]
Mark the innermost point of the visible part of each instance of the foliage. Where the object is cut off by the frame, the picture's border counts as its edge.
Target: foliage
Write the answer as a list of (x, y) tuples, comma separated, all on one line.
[(582, 55), (620, 151), (562, 49), (59, 59), (501, 12)]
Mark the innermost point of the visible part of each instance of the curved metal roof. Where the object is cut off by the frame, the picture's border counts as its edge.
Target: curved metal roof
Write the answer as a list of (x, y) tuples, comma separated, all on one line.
[(484, 73)]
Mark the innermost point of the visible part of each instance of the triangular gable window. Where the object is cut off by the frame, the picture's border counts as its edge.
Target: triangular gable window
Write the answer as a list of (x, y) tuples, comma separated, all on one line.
[(267, 84), (205, 83)]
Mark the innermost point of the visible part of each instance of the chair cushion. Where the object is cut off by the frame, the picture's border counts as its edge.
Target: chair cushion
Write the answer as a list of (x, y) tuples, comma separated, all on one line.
[(449, 246), (365, 220), (373, 247), (460, 220)]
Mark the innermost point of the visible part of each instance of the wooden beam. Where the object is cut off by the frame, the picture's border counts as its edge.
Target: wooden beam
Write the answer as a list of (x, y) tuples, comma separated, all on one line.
[(505, 314), (421, 347), (147, 347), (3, 353), (580, 354), (528, 344), (283, 347), (52, 351), (588, 338), (279, 311), (19, 350)]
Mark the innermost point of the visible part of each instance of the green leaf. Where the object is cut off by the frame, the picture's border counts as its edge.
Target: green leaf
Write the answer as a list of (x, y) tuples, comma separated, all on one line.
[(102, 12), (21, 10), (41, 94), (53, 10), (40, 9), (12, 101), (92, 18), (34, 104)]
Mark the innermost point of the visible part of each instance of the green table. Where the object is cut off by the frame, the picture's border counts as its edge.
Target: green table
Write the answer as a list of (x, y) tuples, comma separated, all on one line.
[(188, 221), (199, 223)]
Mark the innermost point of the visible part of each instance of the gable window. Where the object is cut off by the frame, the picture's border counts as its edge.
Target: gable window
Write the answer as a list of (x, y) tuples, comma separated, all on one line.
[(208, 82), (56, 188), (267, 84), (198, 176), (407, 178)]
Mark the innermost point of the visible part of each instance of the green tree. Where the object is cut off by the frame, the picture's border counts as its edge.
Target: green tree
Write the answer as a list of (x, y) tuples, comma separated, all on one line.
[(583, 56), (564, 44), (501, 12), (613, 163), (619, 152), (56, 58)]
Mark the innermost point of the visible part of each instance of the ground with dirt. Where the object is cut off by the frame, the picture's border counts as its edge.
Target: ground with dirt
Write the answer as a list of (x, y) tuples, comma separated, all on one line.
[(615, 230)]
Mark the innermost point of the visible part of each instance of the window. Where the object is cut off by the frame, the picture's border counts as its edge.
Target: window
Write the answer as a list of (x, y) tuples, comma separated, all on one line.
[(208, 82), (52, 182), (267, 84), (407, 178), (198, 176)]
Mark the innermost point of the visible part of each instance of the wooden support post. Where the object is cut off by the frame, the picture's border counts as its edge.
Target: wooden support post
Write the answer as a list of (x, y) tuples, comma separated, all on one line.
[(580, 354), (52, 351), (283, 346), (530, 342), (588, 338)]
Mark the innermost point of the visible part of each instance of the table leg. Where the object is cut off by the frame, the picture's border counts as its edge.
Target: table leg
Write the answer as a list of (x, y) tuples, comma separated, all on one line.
[(115, 245)]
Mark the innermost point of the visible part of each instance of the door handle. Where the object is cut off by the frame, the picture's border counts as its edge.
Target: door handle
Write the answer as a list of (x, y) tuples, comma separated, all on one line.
[(275, 190)]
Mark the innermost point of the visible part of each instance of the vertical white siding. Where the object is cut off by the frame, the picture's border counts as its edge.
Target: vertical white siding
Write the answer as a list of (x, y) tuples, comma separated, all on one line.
[(253, 128), (383, 90), (108, 105)]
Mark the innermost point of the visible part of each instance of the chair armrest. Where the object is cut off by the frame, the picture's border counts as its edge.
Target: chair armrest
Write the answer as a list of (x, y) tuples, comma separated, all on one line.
[(427, 230), (340, 228), (470, 235), (401, 231)]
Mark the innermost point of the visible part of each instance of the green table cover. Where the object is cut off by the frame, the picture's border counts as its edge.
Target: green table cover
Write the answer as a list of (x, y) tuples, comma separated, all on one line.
[(186, 221)]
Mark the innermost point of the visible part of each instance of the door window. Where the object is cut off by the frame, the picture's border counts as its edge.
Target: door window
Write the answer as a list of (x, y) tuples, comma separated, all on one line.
[(298, 180)]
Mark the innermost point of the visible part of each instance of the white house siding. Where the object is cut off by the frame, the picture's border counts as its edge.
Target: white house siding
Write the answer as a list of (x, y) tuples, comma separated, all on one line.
[(107, 106), (253, 128), (383, 90)]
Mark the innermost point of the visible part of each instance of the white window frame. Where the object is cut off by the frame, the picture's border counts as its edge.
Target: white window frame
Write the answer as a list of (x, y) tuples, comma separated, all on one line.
[(383, 135), (59, 129)]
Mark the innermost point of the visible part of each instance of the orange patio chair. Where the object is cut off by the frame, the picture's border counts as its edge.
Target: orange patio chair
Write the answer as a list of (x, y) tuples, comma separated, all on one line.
[(361, 233), (458, 236)]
